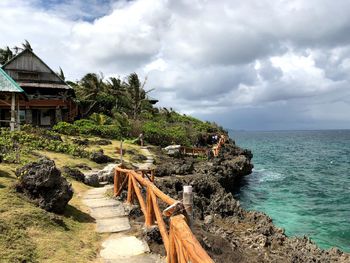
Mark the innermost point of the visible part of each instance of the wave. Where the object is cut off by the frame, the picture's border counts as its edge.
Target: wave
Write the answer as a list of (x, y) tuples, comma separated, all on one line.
[(264, 175)]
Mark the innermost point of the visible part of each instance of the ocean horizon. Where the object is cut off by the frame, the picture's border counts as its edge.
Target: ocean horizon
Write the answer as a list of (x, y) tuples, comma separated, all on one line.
[(301, 179)]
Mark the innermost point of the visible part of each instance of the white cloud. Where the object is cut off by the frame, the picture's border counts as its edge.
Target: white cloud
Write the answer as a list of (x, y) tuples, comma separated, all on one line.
[(201, 56)]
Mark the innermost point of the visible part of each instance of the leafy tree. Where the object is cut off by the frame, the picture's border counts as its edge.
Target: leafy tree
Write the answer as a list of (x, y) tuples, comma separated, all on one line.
[(5, 55), (88, 90), (61, 74), (137, 94), (26, 45), (117, 88)]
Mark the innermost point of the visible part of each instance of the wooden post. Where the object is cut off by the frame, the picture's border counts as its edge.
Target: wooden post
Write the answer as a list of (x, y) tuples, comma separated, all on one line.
[(152, 175), (121, 152), (116, 182), (18, 115), (13, 112), (171, 256), (149, 207), (188, 202), (130, 190)]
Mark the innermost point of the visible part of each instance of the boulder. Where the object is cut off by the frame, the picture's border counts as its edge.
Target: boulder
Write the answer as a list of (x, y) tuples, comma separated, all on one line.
[(83, 166), (99, 157), (107, 173), (102, 142), (73, 173), (91, 179), (42, 182), (81, 142)]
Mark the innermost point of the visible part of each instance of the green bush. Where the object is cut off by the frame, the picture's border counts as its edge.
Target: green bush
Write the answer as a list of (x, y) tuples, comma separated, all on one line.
[(159, 133), (13, 144), (66, 128), (89, 128)]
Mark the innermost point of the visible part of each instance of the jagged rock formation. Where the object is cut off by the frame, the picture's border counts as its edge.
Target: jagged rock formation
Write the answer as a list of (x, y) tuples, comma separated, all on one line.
[(100, 157), (227, 231), (42, 182)]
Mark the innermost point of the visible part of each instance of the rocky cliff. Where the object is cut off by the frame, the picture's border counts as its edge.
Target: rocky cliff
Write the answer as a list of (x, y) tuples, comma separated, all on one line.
[(227, 231)]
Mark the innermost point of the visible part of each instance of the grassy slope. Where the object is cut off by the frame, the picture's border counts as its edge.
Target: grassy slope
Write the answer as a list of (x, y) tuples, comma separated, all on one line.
[(32, 234)]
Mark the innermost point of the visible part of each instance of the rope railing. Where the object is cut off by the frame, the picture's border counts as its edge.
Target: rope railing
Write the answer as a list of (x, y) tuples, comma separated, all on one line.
[(180, 243)]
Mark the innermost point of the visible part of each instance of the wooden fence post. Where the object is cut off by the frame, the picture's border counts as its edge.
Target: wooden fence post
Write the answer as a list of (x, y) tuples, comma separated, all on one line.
[(130, 190), (188, 202), (116, 181)]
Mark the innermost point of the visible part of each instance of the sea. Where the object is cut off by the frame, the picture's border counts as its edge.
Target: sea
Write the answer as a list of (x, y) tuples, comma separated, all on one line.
[(301, 179)]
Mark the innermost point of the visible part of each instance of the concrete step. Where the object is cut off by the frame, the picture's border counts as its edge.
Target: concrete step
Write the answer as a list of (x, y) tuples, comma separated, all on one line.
[(108, 212), (101, 202), (113, 225), (123, 246)]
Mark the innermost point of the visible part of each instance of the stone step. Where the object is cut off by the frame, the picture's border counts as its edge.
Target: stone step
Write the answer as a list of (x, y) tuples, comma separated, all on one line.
[(101, 202), (94, 196), (123, 246), (143, 258), (108, 212), (113, 225)]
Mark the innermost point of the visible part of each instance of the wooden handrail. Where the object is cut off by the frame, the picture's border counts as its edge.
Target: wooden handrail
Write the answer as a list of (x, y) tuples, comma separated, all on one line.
[(191, 248), (180, 244), (204, 151)]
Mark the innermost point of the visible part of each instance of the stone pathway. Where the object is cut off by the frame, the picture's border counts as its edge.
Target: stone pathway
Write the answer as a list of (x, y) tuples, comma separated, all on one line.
[(112, 217), (148, 163)]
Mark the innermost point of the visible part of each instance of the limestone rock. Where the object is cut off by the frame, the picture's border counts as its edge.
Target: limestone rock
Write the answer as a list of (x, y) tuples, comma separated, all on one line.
[(42, 182), (91, 179), (99, 157), (74, 173)]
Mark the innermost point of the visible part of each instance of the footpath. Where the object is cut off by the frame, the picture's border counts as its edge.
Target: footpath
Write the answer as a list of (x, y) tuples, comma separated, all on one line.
[(112, 217)]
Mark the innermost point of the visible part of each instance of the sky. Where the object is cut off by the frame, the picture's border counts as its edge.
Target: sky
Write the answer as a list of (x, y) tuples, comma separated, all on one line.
[(253, 64)]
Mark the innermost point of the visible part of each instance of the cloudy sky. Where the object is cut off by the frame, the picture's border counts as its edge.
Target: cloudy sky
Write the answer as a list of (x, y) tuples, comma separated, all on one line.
[(254, 64)]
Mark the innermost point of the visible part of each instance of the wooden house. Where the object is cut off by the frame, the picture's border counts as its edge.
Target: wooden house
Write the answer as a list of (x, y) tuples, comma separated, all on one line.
[(49, 98)]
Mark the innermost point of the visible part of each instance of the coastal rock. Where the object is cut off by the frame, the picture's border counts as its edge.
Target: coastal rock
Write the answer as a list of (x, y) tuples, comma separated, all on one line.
[(81, 142), (91, 179), (102, 142), (73, 173), (99, 157), (236, 235), (42, 182), (152, 234), (107, 173), (83, 166)]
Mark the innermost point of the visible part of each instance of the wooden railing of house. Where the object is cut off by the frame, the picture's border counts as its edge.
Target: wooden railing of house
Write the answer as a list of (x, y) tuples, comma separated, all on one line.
[(180, 244)]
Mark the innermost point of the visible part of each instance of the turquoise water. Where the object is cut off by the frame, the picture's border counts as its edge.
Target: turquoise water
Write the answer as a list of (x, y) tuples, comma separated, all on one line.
[(301, 180)]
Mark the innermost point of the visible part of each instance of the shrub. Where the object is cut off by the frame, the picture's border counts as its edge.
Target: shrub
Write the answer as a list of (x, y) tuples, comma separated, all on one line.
[(66, 128)]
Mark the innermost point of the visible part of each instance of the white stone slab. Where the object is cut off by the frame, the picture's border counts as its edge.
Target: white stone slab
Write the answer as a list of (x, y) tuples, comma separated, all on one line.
[(101, 202), (112, 225), (108, 212), (123, 247)]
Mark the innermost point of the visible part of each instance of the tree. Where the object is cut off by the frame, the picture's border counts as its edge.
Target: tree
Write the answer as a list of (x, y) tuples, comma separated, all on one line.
[(137, 94), (5, 55), (26, 45), (91, 92), (117, 88), (61, 74)]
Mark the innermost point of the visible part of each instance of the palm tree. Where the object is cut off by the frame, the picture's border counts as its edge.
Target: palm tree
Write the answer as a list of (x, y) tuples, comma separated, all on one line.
[(88, 90), (61, 74), (5, 55), (118, 89), (137, 94), (26, 45)]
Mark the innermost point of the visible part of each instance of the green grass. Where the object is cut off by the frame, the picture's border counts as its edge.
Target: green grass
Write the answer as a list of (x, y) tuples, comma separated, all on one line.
[(30, 234)]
